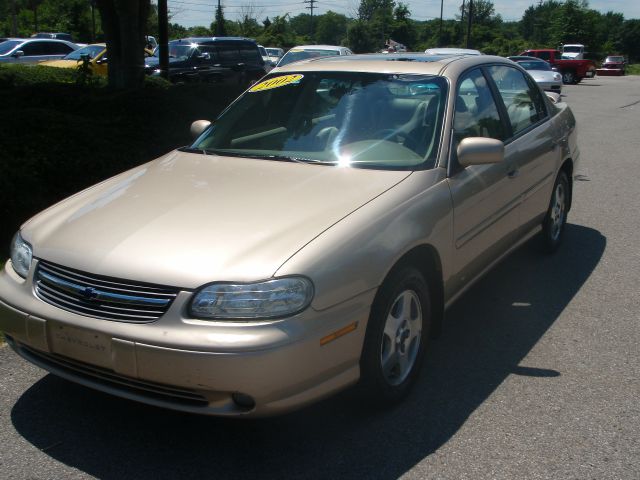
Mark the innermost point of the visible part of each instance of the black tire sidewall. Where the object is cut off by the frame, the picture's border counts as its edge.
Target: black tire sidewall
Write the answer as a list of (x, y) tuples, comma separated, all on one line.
[(374, 384)]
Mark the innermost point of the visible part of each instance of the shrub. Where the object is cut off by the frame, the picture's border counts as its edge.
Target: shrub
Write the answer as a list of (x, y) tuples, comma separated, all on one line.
[(61, 138), (13, 75)]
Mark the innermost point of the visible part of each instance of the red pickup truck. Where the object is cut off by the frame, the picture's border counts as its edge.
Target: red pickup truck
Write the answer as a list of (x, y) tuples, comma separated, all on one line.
[(572, 70)]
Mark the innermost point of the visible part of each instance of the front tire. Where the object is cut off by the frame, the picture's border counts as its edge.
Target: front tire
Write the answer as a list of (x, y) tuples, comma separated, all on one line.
[(554, 222), (396, 337)]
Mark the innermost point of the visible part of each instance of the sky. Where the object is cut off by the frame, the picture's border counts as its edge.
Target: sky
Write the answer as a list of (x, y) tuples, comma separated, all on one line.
[(200, 12)]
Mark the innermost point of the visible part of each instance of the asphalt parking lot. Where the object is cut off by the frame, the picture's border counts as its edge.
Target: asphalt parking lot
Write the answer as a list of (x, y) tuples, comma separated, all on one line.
[(536, 375)]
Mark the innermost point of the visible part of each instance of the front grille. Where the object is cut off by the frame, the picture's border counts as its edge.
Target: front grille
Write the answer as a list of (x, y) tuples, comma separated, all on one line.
[(97, 376), (101, 297)]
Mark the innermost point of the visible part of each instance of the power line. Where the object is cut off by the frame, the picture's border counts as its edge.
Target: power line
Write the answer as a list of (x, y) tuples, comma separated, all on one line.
[(310, 7)]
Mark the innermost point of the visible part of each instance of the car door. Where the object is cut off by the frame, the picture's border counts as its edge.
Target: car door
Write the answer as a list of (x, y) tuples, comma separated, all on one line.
[(535, 141), (233, 67), (485, 197)]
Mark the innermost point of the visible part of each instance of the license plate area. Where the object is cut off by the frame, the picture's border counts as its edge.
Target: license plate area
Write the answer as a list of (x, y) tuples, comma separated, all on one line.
[(79, 344)]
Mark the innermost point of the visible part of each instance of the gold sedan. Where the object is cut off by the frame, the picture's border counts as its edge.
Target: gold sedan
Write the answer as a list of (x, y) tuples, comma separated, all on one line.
[(309, 239)]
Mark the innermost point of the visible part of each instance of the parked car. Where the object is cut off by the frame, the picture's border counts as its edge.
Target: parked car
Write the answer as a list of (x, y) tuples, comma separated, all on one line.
[(57, 35), (572, 71), (613, 65), (95, 52), (275, 54), (303, 52), (268, 63), (34, 50), (230, 61), (310, 238), (452, 51), (542, 73)]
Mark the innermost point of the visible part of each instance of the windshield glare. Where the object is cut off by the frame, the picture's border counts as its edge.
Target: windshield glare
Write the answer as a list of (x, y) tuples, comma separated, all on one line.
[(367, 120), (297, 55), (91, 50)]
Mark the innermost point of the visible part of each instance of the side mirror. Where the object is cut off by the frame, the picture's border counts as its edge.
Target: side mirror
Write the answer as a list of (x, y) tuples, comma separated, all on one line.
[(102, 60), (198, 127), (204, 56), (480, 151), (554, 97), (18, 54)]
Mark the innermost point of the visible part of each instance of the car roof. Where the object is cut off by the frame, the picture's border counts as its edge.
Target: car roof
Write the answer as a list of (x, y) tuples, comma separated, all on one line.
[(200, 40), (452, 51), (417, 63), (318, 47)]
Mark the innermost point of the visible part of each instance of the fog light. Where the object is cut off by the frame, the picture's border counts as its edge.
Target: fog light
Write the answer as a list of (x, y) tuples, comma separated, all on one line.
[(243, 400)]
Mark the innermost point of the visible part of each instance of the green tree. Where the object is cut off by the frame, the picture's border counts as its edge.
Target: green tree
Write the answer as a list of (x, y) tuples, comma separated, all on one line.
[(331, 28)]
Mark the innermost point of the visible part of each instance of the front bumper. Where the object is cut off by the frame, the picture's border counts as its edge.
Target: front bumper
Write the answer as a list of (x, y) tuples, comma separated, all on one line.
[(190, 365)]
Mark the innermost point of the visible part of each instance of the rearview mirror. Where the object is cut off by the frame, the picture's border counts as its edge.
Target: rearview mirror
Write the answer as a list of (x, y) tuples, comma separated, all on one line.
[(198, 127), (480, 151), (554, 97)]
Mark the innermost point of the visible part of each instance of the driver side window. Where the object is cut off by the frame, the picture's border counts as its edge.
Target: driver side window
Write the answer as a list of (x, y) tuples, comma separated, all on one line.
[(476, 113)]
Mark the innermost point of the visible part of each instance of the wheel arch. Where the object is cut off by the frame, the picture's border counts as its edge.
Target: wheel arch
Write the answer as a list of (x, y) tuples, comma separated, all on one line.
[(427, 260), (567, 168)]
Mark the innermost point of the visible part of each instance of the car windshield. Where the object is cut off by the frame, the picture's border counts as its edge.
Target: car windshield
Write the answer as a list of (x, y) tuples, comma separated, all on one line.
[(346, 119), (532, 65), (6, 47), (183, 52), (296, 55), (91, 50), (273, 52), (572, 49), (614, 59)]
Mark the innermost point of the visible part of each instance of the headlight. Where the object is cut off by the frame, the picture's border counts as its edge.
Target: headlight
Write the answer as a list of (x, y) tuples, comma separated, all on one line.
[(21, 255), (280, 297), (557, 76)]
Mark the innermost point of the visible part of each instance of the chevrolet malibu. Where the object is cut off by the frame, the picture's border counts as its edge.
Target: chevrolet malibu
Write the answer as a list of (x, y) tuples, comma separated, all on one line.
[(310, 238)]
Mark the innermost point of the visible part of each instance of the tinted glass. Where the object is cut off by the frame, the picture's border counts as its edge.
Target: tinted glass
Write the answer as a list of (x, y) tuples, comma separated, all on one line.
[(521, 97), (55, 48), (35, 48), (6, 47), (249, 54), (544, 55), (181, 52), (366, 120), (476, 113), (228, 53)]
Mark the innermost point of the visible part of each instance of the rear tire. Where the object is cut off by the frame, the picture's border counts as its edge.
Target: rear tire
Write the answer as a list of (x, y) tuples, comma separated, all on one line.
[(554, 222), (396, 337), (568, 77)]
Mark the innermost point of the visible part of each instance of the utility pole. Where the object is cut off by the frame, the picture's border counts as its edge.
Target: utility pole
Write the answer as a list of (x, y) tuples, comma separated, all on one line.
[(163, 38), (440, 32), (462, 24), (93, 21), (310, 7), (469, 19)]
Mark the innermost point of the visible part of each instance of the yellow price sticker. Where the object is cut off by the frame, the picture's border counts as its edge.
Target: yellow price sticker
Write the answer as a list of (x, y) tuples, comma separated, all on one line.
[(277, 82)]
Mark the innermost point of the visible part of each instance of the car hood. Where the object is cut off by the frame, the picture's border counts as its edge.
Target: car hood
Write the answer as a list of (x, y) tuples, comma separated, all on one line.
[(543, 75), (60, 63), (188, 219)]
